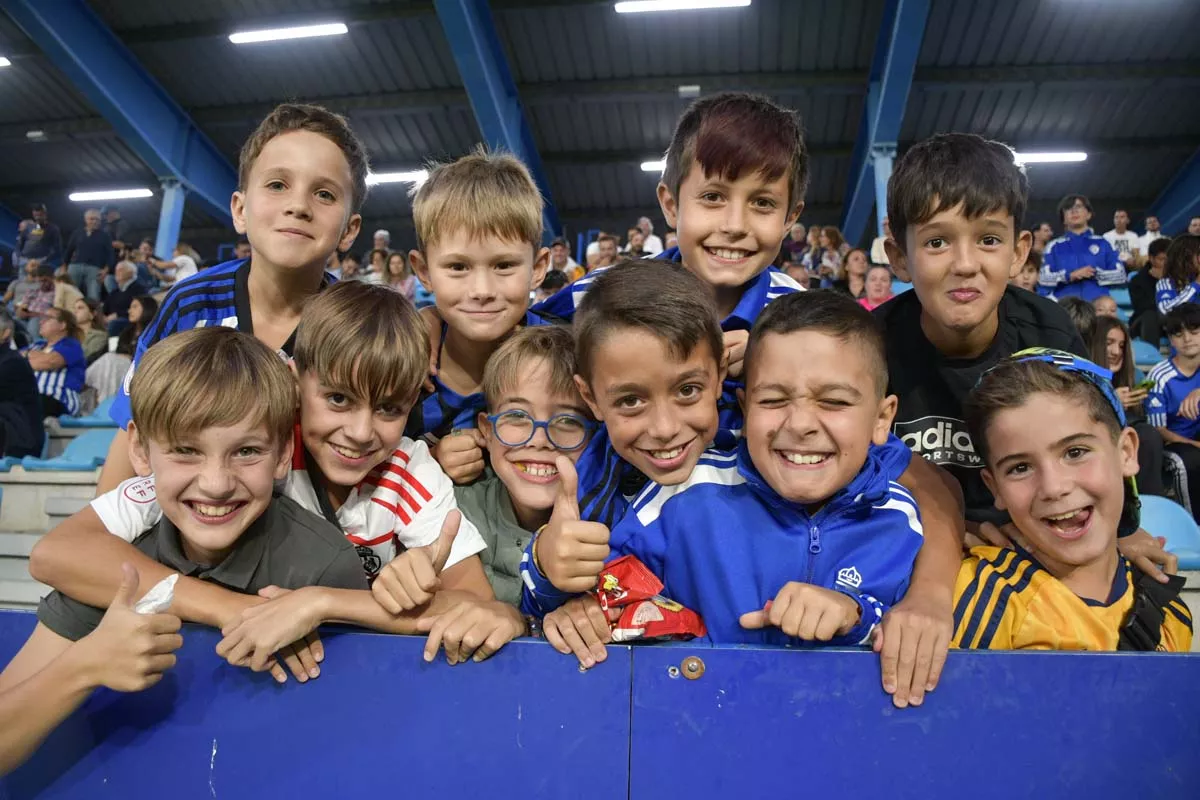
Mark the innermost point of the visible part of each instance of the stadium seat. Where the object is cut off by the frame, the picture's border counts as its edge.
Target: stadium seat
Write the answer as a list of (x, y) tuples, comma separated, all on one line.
[(1121, 295), (1145, 354), (97, 419), (900, 286), (86, 452), (1162, 516)]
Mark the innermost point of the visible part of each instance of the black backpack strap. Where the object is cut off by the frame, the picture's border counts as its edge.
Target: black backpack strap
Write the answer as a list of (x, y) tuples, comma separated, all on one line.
[(1142, 629)]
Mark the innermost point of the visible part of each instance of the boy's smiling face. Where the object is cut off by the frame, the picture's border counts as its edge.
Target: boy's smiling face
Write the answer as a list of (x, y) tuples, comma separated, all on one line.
[(212, 484), (528, 471), (729, 230), (959, 268), (344, 434), (660, 410), (812, 411), (295, 208), (1060, 475), (481, 283)]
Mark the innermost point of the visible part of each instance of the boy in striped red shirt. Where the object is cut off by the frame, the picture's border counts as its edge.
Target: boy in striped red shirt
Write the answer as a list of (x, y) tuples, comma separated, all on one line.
[(353, 466)]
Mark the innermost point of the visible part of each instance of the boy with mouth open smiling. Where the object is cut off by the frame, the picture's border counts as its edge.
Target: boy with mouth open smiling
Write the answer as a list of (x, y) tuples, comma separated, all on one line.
[(1060, 460), (802, 535)]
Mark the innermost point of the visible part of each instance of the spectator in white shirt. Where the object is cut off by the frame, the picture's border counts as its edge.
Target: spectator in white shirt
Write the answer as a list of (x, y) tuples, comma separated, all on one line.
[(1153, 231), (1124, 241), (652, 245), (878, 254)]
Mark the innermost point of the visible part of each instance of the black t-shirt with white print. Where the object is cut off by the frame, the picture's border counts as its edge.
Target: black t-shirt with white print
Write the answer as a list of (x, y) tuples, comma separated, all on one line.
[(932, 388)]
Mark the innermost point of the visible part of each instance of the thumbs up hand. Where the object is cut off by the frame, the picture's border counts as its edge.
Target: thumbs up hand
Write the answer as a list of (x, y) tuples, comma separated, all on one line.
[(410, 579), (128, 651), (569, 551)]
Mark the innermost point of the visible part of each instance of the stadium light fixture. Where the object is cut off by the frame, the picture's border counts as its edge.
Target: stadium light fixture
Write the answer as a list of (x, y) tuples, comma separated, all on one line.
[(416, 176), (641, 6), (1048, 158), (279, 34), (654, 166), (4, 62), (109, 194)]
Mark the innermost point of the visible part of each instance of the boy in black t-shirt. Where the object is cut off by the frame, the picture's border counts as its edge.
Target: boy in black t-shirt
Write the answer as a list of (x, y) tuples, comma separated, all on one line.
[(955, 203)]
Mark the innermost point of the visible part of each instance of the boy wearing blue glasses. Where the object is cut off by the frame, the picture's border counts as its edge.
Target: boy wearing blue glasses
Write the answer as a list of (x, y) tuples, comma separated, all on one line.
[(534, 414)]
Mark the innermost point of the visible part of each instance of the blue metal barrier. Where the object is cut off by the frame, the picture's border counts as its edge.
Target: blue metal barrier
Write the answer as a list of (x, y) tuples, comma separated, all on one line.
[(647, 723)]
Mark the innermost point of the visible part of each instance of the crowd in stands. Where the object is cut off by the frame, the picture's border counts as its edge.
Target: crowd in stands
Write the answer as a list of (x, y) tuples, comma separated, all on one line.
[(733, 408)]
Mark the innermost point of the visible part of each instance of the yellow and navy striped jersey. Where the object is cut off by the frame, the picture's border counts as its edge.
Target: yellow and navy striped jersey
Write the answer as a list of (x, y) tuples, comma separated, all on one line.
[(1006, 600)]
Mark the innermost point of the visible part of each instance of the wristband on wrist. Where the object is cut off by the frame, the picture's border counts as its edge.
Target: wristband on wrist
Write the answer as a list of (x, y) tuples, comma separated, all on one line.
[(533, 549)]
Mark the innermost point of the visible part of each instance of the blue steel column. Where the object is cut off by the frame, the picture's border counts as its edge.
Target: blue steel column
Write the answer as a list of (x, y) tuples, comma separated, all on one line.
[(896, 50), (882, 157), (170, 219), (154, 126), (1180, 201), (471, 32)]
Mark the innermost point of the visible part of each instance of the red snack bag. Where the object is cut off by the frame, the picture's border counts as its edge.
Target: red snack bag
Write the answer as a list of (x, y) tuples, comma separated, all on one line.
[(626, 580), (657, 618)]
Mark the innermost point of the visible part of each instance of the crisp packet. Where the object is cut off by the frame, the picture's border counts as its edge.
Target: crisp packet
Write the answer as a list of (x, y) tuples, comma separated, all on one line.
[(159, 598), (657, 618), (628, 585)]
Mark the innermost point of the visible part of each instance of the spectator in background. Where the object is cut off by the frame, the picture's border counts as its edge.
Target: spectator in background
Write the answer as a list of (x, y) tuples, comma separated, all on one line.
[(141, 313), (812, 256), (58, 363), (636, 246), (382, 240), (1171, 404), (89, 250), (333, 265), (554, 280), (91, 324), (1152, 234), (671, 239), (1194, 226), (879, 287), (21, 430), (1083, 316), (1042, 235), (796, 243), (22, 286), (833, 251), (187, 261), (1112, 348), (1146, 322), (878, 251), (1079, 263), (376, 269), (65, 292), (651, 244), (399, 276), (854, 274), (37, 301), (241, 250), (349, 268), (1124, 241), (560, 256), (606, 253), (1027, 277), (116, 305), (117, 230), (1105, 306), (41, 240)]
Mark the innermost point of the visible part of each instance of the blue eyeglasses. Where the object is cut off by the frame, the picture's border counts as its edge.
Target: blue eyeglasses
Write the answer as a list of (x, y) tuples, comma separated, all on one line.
[(565, 431)]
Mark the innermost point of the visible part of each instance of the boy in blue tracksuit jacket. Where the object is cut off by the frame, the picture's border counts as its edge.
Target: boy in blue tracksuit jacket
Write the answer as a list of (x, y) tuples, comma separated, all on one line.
[(1079, 263), (799, 536)]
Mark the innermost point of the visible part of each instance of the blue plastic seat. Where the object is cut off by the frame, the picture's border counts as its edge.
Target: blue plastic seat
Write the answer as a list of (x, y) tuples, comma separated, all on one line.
[(1121, 295), (85, 452), (1162, 516), (97, 419), (900, 286), (1145, 354)]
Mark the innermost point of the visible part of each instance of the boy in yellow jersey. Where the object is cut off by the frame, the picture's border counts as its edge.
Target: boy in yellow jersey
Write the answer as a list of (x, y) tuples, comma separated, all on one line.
[(1060, 460)]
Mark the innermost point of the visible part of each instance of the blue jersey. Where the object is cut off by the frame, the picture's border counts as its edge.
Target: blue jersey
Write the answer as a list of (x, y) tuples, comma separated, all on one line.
[(1073, 251), (219, 295), (1166, 296), (1162, 402), (761, 290), (724, 543), (63, 384), (444, 410)]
